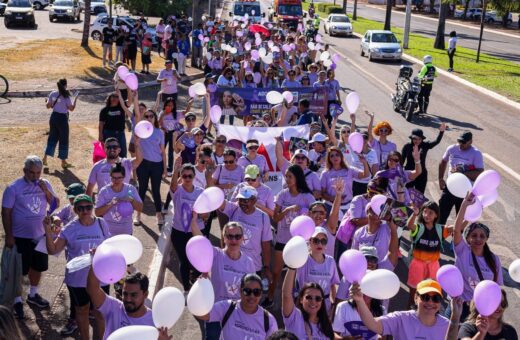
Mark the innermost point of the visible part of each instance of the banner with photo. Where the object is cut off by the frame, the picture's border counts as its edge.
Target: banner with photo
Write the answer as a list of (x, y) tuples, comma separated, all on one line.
[(245, 102)]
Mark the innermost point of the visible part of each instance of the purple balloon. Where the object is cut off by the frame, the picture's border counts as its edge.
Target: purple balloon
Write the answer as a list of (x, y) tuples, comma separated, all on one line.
[(302, 226), (474, 211), (450, 279), (257, 77), (200, 253), (286, 48), (131, 81), (487, 297), (486, 182), (254, 54), (353, 265), (109, 264), (212, 88), (125, 209), (333, 66), (356, 141)]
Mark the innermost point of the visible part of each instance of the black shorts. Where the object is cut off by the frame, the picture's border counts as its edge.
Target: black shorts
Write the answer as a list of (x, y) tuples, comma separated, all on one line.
[(31, 258), (279, 246), (132, 52), (79, 296)]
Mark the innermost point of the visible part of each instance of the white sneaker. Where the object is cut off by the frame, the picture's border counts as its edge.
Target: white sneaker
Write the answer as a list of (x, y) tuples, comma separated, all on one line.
[(137, 220), (165, 211), (170, 174)]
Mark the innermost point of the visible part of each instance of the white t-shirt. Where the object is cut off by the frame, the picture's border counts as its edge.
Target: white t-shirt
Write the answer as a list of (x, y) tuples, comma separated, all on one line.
[(354, 161), (200, 178), (347, 322), (452, 43)]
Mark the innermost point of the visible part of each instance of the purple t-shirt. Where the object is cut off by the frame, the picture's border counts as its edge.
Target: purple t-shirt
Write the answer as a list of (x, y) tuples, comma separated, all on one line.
[(325, 274), (170, 85), (29, 206), (380, 239), (100, 173), (464, 261), (357, 207), (80, 239), (296, 325), (60, 103), (151, 146), (311, 178), (117, 223), (329, 177), (347, 322), (182, 208), (332, 87), (66, 214), (171, 124), (265, 195), (241, 325), (259, 160), (393, 189), (225, 176), (227, 273), (284, 200), (257, 229), (406, 325), (115, 316), (457, 157), (382, 151)]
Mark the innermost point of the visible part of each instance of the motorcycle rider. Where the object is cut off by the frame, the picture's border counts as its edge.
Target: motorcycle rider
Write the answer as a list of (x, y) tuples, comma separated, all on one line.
[(316, 23), (426, 75)]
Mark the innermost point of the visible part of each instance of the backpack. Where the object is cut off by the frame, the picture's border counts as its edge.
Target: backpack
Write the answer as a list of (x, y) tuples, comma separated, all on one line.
[(231, 309), (419, 231)]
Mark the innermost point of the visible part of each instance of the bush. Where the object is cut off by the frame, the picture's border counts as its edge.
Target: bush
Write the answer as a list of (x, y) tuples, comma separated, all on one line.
[(334, 9)]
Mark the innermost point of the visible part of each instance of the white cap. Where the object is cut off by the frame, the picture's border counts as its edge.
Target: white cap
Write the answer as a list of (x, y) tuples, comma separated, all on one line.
[(320, 230), (246, 192), (318, 137), (301, 152)]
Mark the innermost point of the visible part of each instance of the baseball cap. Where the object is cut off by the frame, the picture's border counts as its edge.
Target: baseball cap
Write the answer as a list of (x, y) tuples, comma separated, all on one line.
[(320, 230), (301, 152), (75, 189), (369, 251), (246, 192), (166, 62), (465, 137), (252, 171), (429, 286), (196, 131), (82, 198), (318, 137), (189, 114)]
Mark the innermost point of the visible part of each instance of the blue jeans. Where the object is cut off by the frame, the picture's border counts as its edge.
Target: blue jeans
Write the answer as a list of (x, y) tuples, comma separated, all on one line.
[(121, 138), (59, 132), (212, 330)]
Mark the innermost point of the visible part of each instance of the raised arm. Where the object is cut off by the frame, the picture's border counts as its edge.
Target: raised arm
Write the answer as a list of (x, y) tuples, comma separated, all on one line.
[(416, 158), (411, 220), (287, 291), (280, 159), (97, 295), (53, 246), (332, 221), (393, 249), (366, 316), (459, 221), (434, 143), (370, 127)]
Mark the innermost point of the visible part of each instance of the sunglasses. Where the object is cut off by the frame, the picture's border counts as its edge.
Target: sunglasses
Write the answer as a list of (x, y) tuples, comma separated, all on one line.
[(371, 259), (300, 157), (187, 176), (316, 298), (250, 179), (229, 162), (252, 147), (117, 178), (248, 291), (344, 132), (236, 237), (220, 141), (427, 297), (317, 241), (149, 116), (190, 119), (335, 155), (112, 147), (383, 130), (393, 160), (82, 208)]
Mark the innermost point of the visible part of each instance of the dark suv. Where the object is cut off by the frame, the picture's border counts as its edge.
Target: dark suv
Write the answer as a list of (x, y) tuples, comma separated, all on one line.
[(19, 12)]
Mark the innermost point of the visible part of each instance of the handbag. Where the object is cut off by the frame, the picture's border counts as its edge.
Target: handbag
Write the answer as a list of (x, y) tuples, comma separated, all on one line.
[(346, 229)]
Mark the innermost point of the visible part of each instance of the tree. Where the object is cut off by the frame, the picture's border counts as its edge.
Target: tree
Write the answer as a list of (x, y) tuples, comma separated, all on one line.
[(388, 16), (466, 6), (504, 7), (86, 25), (439, 38), (354, 11)]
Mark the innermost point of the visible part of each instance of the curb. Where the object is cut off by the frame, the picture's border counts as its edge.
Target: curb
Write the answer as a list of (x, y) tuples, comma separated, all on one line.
[(94, 90)]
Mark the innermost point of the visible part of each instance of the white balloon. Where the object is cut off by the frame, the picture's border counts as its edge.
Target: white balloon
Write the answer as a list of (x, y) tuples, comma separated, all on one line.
[(211, 199), (243, 25), (267, 60), (458, 185), (201, 297), (208, 55), (247, 46), (143, 129), (233, 50), (167, 307), (376, 203), (275, 49), (200, 89), (318, 47), (262, 52), (253, 12), (224, 47), (310, 45), (514, 270), (134, 333), (325, 56), (270, 43), (246, 16), (288, 96), (327, 63), (130, 246), (352, 102), (274, 97), (380, 284), (295, 253)]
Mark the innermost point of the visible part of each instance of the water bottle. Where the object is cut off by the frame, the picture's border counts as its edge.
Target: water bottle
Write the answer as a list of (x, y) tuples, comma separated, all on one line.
[(265, 285)]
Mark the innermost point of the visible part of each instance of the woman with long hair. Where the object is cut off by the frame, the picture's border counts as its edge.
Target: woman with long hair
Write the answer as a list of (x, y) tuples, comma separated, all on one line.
[(112, 120), (308, 319), (61, 102), (473, 256), (290, 203), (398, 177), (382, 146)]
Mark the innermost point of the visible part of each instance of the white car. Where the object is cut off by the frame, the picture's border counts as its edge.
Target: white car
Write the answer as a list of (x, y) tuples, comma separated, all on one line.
[(64, 10), (338, 24), (96, 28), (492, 17), (40, 4), (378, 44)]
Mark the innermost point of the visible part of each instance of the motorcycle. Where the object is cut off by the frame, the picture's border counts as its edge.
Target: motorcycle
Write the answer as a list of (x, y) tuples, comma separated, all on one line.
[(310, 31), (407, 92)]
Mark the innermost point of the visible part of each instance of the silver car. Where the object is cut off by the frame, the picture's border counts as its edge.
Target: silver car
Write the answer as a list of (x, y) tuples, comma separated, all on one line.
[(64, 10), (378, 44), (338, 24)]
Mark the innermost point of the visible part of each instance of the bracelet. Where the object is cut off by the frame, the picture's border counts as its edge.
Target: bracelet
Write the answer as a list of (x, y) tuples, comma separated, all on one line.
[(418, 162)]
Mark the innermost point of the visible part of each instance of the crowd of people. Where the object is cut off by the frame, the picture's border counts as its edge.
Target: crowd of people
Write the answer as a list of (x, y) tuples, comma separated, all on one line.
[(325, 180)]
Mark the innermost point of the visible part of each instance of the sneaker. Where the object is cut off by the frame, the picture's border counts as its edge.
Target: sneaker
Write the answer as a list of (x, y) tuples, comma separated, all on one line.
[(160, 220), (137, 220), (165, 211), (170, 174), (38, 301), (267, 303), (69, 328), (18, 310)]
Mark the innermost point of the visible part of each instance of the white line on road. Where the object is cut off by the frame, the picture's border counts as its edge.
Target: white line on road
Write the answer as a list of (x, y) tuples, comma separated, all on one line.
[(504, 167)]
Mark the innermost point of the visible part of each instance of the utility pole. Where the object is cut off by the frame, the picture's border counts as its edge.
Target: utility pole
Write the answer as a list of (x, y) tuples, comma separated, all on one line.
[(354, 11), (407, 20), (481, 29), (110, 8), (388, 17)]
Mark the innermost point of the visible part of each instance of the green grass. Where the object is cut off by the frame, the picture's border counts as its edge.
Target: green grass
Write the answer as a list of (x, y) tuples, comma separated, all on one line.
[(491, 72)]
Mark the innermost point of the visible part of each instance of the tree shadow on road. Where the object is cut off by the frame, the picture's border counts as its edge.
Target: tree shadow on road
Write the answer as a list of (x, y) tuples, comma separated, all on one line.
[(91, 53)]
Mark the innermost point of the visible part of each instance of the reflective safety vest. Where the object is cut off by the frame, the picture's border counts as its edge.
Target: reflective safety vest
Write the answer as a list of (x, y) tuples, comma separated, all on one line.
[(317, 23), (428, 74)]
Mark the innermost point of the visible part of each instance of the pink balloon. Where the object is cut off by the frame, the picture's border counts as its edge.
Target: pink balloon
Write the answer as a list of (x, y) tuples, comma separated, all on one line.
[(200, 253), (353, 265), (474, 211), (191, 91), (131, 81), (487, 297), (109, 264), (254, 54), (125, 209), (376, 203), (302, 226), (239, 33), (286, 48), (212, 88), (450, 279), (488, 198), (143, 129), (336, 58), (356, 141), (486, 182), (201, 37), (215, 113), (122, 72), (257, 77), (206, 39)]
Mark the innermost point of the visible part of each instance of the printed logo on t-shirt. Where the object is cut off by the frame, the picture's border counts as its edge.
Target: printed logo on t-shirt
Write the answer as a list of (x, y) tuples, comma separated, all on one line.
[(114, 113), (357, 328), (116, 216), (248, 234), (35, 205), (246, 329), (233, 288), (185, 216)]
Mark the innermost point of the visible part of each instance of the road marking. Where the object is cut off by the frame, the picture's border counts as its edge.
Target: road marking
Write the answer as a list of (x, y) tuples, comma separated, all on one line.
[(504, 167)]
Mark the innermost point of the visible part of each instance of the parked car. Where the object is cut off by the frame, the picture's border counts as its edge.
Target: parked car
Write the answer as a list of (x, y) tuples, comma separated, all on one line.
[(64, 10), (96, 28), (96, 7), (2, 8), (378, 44), (19, 12), (338, 24), (492, 17), (40, 4)]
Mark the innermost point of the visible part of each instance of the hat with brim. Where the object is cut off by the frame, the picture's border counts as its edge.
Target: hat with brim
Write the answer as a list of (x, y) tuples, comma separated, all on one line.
[(75, 189), (369, 251), (320, 230), (168, 62), (189, 114), (465, 137), (301, 152), (196, 131), (417, 133), (429, 286), (82, 198), (247, 192), (318, 137), (249, 144), (251, 171)]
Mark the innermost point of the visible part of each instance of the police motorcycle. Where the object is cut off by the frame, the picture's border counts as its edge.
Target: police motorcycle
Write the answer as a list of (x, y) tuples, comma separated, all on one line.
[(406, 93)]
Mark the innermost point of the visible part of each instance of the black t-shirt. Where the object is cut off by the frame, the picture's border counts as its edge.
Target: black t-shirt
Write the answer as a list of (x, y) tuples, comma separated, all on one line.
[(108, 35), (429, 241), (469, 330), (120, 39), (114, 118)]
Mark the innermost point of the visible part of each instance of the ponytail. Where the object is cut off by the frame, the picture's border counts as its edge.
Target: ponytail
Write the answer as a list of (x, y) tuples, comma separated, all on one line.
[(489, 257)]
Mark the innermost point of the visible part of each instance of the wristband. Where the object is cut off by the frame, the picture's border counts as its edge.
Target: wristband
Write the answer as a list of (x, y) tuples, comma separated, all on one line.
[(418, 162)]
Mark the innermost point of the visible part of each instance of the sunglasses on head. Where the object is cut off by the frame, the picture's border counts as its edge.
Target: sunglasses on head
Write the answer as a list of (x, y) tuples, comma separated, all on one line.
[(316, 298), (111, 147), (236, 237), (248, 291), (187, 176), (82, 208), (317, 241), (427, 297)]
